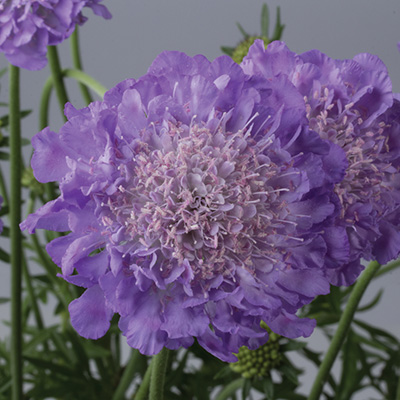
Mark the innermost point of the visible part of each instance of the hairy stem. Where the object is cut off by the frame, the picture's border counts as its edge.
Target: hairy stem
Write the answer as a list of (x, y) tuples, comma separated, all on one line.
[(158, 371), (343, 328), (57, 74), (76, 59), (15, 234)]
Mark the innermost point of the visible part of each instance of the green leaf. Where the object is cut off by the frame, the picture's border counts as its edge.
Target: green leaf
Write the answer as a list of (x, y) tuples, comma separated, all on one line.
[(4, 256), (268, 386), (4, 156), (278, 26), (228, 50), (53, 367), (4, 210), (5, 120), (246, 388), (372, 304), (41, 336), (4, 300), (292, 345), (290, 372), (348, 383), (376, 332), (264, 20), (242, 31)]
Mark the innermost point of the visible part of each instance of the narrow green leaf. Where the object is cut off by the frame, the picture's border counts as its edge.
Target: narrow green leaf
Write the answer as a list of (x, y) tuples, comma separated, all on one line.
[(40, 337), (372, 304), (264, 20), (228, 50), (290, 372), (246, 388), (4, 210), (278, 26), (4, 256), (268, 386), (53, 367), (242, 31), (348, 383), (4, 300), (292, 345), (4, 156), (374, 332), (5, 120)]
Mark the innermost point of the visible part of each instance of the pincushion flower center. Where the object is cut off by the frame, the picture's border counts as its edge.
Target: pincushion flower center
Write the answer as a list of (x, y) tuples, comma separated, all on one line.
[(202, 197), (342, 124)]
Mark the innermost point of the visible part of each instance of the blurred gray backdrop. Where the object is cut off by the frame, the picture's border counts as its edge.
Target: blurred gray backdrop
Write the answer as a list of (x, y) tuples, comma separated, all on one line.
[(125, 46)]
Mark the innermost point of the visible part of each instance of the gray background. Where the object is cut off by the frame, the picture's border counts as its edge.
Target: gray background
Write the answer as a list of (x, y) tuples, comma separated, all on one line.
[(125, 46)]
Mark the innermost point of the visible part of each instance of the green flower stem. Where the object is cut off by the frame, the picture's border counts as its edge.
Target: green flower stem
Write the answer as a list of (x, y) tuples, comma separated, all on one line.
[(45, 103), (230, 389), (159, 368), (15, 234), (141, 394), (56, 73), (127, 377), (343, 328), (76, 59), (28, 281), (86, 79)]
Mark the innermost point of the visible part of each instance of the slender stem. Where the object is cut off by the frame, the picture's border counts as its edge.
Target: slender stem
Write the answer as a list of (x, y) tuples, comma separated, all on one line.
[(86, 79), (15, 234), (342, 330), (127, 376), (230, 389), (158, 375), (56, 72), (76, 59), (141, 394), (27, 279), (45, 103)]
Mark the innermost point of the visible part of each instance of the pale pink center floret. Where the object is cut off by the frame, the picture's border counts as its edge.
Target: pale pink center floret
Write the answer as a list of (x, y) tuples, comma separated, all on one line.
[(204, 197), (342, 125)]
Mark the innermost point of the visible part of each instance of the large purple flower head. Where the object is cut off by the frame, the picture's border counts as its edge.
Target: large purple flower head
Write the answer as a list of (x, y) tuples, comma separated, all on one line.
[(27, 27), (350, 102), (197, 206)]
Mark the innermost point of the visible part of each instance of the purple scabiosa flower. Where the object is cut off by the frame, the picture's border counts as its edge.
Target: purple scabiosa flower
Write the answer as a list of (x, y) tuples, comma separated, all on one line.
[(197, 207), (27, 27), (350, 103)]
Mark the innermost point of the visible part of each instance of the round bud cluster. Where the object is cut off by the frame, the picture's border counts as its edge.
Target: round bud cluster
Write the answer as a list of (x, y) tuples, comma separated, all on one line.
[(259, 362), (243, 47)]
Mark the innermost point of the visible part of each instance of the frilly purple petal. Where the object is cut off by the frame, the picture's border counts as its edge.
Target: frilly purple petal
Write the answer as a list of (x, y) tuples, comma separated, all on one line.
[(90, 316), (28, 27)]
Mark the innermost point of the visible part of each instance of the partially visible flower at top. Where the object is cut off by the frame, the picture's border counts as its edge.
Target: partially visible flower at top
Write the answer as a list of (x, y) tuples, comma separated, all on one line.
[(350, 102), (197, 206), (27, 27)]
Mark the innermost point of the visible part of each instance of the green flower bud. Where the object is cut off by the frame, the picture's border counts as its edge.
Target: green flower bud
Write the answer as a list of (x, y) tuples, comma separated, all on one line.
[(242, 48), (259, 362)]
